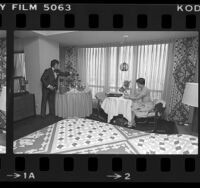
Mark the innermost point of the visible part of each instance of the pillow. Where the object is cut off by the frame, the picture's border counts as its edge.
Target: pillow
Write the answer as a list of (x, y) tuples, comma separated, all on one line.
[(2, 120)]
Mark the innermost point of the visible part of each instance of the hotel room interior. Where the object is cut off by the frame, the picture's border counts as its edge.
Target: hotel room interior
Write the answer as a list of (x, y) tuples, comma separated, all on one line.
[(92, 114), (2, 92)]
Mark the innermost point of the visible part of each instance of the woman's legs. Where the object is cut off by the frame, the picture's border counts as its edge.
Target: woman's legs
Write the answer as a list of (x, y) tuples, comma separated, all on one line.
[(133, 119), (132, 123), (134, 107)]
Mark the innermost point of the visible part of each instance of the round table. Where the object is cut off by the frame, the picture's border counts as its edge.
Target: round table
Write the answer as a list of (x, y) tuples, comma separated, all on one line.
[(114, 106), (74, 104)]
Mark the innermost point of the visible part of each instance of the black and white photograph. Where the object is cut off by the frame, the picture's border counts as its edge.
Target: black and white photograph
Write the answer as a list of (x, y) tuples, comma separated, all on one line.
[(103, 92), (2, 92)]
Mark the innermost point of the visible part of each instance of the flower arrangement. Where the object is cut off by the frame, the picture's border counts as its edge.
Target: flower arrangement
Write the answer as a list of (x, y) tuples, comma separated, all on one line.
[(125, 87), (72, 81)]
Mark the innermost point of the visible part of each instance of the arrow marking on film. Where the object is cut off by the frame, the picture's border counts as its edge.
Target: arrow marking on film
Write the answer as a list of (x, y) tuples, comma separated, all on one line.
[(15, 175), (115, 176)]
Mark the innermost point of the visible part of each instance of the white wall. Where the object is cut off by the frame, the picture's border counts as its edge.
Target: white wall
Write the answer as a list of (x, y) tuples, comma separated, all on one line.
[(19, 44), (38, 54), (48, 51)]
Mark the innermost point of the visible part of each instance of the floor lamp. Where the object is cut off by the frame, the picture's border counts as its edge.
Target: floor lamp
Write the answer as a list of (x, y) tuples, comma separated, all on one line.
[(190, 98)]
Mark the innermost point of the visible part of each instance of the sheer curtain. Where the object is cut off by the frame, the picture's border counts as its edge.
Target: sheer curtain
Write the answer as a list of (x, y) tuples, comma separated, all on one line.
[(152, 62), (131, 60), (96, 69), (91, 68), (19, 65), (99, 68)]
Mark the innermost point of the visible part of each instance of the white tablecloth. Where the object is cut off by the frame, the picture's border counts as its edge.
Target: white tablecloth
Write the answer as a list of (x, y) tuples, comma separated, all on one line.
[(74, 104), (114, 106)]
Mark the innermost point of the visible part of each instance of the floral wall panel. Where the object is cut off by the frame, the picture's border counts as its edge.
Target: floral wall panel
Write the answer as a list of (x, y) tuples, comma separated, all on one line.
[(2, 62), (184, 69)]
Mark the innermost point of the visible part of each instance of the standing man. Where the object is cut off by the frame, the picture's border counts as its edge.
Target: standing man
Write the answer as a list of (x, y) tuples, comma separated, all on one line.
[(49, 81)]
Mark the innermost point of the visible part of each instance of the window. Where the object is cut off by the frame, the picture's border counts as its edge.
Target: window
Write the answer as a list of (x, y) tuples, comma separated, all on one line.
[(151, 65), (95, 58), (103, 67), (19, 65)]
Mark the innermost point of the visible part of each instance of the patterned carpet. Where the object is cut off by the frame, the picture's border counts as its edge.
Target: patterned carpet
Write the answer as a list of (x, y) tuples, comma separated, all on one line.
[(84, 136)]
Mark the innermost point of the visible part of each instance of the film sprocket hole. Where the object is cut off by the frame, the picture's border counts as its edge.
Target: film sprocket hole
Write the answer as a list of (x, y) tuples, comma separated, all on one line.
[(69, 57)]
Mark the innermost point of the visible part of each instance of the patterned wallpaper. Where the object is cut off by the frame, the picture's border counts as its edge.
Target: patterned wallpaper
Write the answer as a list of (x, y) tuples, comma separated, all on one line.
[(2, 62), (68, 55), (184, 70)]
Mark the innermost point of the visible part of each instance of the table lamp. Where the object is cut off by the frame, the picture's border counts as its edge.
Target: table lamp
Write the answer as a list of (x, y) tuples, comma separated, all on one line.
[(3, 99), (190, 98)]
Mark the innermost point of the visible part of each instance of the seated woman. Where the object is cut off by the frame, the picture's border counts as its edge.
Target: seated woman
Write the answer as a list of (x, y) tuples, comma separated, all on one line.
[(141, 99)]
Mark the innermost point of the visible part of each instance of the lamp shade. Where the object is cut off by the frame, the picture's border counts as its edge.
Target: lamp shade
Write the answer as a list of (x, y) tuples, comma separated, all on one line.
[(3, 99), (190, 96)]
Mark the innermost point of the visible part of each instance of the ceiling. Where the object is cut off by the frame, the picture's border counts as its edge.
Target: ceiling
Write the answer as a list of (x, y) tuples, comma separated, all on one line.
[(84, 38)]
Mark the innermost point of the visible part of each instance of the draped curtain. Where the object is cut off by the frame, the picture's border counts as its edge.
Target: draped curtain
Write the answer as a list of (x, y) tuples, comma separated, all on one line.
[(92, 68), (99, 68), (19, 65), (185, 61), (152, 61)]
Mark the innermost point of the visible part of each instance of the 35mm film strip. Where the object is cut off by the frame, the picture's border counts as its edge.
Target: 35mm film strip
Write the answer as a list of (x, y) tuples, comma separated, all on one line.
[(120, 84)]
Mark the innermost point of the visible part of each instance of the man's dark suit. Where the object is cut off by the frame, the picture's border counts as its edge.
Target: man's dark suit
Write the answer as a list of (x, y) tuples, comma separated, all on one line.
[(48, 78)]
